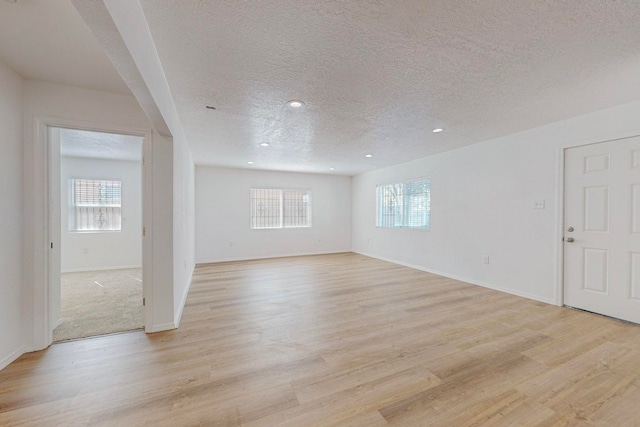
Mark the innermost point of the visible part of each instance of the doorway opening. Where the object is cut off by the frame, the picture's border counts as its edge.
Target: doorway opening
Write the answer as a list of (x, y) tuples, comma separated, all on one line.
[(96, 280)]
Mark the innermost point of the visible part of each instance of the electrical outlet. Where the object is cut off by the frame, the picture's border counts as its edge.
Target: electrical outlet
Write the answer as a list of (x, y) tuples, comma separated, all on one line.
[(538, 204), (485, 259), (231, 244)]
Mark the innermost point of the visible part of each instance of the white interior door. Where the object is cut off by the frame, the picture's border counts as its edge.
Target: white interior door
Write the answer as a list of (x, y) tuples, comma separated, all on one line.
[(602, 228)]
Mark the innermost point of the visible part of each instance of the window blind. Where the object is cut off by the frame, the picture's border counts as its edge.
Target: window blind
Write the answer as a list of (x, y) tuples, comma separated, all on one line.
[(95, 205), (280, 208)]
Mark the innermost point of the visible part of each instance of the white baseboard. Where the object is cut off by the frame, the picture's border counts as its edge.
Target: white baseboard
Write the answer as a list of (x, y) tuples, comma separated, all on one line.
[(465, 279), (213, 261), (101, 268), (161, 327), (183, 301), (11, 357)]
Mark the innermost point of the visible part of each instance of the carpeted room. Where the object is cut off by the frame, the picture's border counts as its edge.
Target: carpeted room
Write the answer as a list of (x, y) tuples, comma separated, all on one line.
[(100, 286)]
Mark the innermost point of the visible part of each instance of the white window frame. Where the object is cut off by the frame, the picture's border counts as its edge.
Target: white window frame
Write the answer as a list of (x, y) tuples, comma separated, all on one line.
[(404, 214), (107, 204), (281, 220)]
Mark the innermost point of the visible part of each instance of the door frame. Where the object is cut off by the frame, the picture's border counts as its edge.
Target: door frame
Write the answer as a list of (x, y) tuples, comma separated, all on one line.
[(45, 233), (560, 212)]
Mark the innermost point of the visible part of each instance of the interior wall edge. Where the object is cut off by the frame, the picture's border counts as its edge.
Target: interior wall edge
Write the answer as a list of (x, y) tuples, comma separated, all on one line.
[(178, 315), (287, 255), (464, 279), (13, 356), (160, 327), (14, 337), (115, 267)]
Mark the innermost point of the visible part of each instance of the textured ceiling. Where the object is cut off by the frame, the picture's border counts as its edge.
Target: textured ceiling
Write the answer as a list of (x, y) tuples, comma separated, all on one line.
[(376, 76), (47, 40), (99, 145)]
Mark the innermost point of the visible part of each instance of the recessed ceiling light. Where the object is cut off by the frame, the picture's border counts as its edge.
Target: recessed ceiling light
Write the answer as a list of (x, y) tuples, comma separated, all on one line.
[(437, 130), (250, 163), (332, 169), (368, 155), (264, 144), (295, 103)]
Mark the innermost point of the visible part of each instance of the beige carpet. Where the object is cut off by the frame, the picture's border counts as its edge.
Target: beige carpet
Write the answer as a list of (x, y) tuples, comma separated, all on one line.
[(100, 302)]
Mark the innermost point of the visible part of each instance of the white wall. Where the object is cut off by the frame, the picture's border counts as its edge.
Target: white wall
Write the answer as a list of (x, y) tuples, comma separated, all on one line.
[(163, 291), (122, 29), (482, 204), (46, 102), (12, 343), (88, 251), (183, 224), (223, 215)]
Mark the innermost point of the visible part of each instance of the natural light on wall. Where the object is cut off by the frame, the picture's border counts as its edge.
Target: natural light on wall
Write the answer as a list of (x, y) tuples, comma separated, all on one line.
[(280, 208), (404, 205), (95, 205)]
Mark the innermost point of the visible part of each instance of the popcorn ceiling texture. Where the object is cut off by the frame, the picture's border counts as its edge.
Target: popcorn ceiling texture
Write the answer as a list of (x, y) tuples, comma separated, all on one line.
[(377, 76)]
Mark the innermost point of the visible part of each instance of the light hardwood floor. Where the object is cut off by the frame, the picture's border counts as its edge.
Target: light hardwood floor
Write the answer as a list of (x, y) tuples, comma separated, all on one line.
[(339, 340)]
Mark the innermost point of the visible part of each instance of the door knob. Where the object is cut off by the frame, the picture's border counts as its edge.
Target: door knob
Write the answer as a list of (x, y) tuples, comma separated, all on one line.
[(570, 229), (569, 239)]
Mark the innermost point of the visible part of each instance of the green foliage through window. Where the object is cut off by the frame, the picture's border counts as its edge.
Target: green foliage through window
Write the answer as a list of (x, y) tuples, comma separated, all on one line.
[(404, 205)]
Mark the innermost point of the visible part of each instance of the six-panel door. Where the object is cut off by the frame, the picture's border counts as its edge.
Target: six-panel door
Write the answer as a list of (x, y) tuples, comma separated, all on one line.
[(602, 228)]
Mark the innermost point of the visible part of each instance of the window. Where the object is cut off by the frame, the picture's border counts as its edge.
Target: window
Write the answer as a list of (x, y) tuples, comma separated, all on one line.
[(95, 205), (278, 208), (404, 205)]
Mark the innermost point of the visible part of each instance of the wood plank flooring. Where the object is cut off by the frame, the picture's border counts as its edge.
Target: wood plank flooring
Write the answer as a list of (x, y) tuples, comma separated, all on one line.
[(338, 340)]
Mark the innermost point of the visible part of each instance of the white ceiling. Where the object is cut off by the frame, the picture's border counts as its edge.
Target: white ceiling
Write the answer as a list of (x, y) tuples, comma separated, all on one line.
[(99, 145), (47, 40), (376, 76)]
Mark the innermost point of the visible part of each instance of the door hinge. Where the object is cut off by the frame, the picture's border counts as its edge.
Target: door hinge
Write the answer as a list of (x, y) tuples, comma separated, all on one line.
[(144, 301), (144, 231), (51, 245)]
